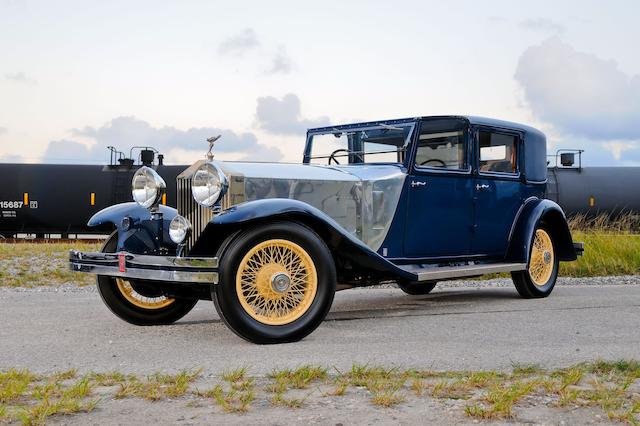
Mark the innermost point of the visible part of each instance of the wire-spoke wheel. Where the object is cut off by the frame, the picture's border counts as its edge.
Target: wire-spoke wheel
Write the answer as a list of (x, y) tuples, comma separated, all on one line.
[(277, 283), (541, 274), (542, 258), (140, 302), (128, 291)]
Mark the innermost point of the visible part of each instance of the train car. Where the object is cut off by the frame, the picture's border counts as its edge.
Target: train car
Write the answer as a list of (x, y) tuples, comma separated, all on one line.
[(592, 190), (43, 199)]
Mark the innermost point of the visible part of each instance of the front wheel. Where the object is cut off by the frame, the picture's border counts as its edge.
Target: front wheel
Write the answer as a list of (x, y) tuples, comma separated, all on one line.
[(139, 302), (540, 277), (277, 283)]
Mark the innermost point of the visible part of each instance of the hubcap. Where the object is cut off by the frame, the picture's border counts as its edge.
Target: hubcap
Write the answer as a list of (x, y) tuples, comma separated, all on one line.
[(280, 282), (541, 263), (276, 282)]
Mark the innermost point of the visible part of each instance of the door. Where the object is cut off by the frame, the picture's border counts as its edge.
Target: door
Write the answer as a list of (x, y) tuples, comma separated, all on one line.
[(439, 206), (497, 193)]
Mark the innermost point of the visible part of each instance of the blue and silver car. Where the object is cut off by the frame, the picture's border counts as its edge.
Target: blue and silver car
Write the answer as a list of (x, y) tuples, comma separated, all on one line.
[(412, 201)]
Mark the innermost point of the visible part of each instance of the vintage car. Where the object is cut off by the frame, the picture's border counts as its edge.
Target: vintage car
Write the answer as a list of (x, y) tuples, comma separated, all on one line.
[(412, 201)]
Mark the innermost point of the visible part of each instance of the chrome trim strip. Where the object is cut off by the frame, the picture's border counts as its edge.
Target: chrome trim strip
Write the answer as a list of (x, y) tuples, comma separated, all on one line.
[(445, 272), (155, 268)]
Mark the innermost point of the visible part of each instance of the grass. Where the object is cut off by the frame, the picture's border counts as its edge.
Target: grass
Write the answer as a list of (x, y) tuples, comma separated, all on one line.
[(610, 386), (39, 264), (157, 386), (612, 246)]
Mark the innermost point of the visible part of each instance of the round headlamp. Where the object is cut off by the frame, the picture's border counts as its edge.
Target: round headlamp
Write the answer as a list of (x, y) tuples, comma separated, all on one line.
[(147, 187), (179, 228), (208, 185)]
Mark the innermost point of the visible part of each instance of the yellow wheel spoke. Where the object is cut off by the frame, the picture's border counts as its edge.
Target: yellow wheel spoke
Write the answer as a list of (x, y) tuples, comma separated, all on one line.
[(542, 260), (132, 296), (258, 295)]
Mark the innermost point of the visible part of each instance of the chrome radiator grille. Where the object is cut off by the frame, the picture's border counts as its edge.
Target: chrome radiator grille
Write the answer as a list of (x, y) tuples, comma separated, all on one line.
[(198, 216)]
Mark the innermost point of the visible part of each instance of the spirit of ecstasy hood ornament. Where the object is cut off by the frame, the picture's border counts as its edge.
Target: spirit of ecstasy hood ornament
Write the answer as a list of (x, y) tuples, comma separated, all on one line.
[(211, 141)]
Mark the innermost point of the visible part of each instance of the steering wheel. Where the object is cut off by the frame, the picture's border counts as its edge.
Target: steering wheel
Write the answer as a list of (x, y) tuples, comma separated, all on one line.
[(435, 160), (333, 155)]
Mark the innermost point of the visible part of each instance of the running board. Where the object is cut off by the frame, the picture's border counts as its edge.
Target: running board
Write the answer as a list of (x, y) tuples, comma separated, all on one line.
[(435, 273)]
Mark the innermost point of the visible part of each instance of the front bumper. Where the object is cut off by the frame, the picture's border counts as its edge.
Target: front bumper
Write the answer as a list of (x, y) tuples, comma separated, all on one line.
[(146, 267)]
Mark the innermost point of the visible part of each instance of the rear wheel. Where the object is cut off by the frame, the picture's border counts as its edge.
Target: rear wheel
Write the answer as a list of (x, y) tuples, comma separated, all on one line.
[(417, 288), (139, 302), (277, 283), (541, 274)]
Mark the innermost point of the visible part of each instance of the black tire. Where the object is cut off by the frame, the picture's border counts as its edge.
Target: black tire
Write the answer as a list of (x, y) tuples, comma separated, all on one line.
[(127, 311), (523, 280), (238, 318), (417, 288)]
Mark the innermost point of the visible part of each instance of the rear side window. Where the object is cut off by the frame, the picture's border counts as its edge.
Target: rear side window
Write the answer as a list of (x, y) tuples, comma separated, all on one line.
[(442, 149), (498, 153)]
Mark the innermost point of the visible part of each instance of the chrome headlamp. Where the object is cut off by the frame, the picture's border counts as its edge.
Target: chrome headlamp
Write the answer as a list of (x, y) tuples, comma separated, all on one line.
[(208, 185), (147, 187), (179, 229)]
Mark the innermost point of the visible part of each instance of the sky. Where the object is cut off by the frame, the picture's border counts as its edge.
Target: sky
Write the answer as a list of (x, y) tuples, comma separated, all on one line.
[(78, 76)]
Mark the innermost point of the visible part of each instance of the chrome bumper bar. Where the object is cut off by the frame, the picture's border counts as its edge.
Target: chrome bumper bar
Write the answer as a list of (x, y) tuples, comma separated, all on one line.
[(145, 267)]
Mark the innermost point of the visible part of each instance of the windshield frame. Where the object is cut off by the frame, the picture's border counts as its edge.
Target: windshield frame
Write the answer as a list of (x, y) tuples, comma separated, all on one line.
[(411, 123)]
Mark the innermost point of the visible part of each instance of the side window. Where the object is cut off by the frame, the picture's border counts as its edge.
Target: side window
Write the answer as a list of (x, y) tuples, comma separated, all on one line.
[(498, 153), (444, 150)]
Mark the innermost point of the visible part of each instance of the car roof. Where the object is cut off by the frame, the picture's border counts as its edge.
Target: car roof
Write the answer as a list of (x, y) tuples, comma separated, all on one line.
[(472, 119)]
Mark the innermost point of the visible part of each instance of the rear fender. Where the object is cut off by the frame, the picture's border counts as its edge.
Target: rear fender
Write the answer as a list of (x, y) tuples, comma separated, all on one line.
[(339, 240), (534, 213), (143, 236)]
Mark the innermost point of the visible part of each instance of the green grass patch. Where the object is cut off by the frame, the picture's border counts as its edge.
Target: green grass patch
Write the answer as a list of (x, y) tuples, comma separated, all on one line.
[(604, 254), (41, 264), (608, 386)]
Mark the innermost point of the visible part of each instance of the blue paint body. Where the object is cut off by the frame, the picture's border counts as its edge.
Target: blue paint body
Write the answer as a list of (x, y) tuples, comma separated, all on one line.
[(144, 236)]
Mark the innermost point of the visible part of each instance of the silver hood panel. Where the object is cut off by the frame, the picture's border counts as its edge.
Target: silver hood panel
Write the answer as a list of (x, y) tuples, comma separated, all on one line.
[(363, 199)]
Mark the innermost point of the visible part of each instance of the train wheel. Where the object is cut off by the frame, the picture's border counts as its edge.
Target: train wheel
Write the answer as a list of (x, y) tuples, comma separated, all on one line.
[(277, 283), (541, 274), (139, 302)]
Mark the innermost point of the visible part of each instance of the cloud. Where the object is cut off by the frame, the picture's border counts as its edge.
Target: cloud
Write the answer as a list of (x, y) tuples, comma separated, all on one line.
[(281, 63), (579, 93), (617, 148), (11, 158), (62, 151), (283, 116), (20, 78), (126, 132), (542, 25), (3, 130), (239, 44)]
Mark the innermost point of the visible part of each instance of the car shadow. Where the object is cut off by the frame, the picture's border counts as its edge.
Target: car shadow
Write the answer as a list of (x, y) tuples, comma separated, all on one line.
[(395, 303), (398, 304)]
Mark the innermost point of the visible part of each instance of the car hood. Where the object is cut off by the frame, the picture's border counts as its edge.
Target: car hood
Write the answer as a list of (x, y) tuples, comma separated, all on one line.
[(363, 199)]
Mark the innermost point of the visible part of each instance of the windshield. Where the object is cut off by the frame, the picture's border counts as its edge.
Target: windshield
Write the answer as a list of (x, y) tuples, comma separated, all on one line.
[(379, 143)]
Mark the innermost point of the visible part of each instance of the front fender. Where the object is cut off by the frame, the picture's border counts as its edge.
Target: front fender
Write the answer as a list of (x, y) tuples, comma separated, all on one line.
[(338, 239), (114, 214), (533, 213), (144, 235)]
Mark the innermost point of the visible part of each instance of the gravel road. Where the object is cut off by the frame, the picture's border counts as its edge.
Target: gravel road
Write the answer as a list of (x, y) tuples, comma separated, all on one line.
[(461, 325)]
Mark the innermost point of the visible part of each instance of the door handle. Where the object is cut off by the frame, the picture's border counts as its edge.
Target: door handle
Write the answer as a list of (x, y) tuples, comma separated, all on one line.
[(415, 183), (481, 187)]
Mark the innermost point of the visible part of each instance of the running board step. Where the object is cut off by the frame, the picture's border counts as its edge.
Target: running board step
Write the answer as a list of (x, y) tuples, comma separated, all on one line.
[(435, 273)]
